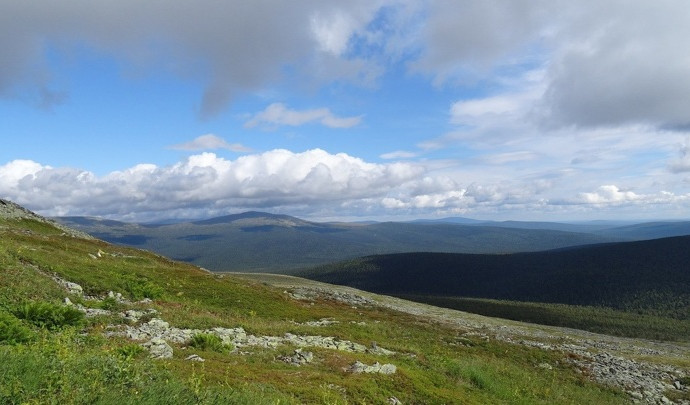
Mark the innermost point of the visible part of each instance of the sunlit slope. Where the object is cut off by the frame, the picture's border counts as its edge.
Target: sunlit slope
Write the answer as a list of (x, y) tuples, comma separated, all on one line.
[(87, 360)]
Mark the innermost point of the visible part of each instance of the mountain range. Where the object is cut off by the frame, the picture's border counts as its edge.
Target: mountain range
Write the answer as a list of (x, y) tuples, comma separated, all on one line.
[(257, 241)]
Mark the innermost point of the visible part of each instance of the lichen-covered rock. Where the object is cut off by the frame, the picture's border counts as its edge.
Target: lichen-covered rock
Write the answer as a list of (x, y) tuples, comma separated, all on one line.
[(359, 367), (194, 357), (298, 358), (159, 348)]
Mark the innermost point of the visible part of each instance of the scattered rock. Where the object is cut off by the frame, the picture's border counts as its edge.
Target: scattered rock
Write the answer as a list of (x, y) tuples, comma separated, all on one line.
[(194, 357), (545, 366), (312, 293), (117, 297), (134, 315), (238, 337), (159, 348), (72, 288), (320, 322), (298, 358), (359, 367), (91, 312), (68, 302), (376, 349), (394, 401)]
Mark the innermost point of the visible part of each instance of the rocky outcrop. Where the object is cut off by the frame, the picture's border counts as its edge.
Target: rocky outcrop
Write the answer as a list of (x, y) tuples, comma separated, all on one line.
[(298, 358), (359, 367), (239, 338), (10, 210), (159, 348), (313, 293)]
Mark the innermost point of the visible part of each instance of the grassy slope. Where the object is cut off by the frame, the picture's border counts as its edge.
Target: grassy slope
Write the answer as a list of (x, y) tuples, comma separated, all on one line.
[(70, 366)]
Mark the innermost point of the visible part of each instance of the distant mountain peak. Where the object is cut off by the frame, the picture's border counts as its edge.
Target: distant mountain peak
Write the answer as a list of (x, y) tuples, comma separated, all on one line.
[(254, 218)]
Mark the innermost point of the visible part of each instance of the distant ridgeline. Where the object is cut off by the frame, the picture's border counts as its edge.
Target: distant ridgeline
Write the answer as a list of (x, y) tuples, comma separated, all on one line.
[(256, 241), (650, 277)]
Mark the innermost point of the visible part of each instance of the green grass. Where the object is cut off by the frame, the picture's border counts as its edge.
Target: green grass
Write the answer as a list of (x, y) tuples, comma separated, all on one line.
[(74, 362), (593, 319)]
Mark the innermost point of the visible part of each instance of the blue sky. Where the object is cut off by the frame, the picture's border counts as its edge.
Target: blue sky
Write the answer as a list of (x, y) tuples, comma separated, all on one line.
[(526, 110)]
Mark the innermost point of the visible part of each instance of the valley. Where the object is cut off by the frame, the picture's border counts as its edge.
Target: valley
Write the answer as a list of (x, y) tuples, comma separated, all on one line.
[(141, 327), (262, 242)]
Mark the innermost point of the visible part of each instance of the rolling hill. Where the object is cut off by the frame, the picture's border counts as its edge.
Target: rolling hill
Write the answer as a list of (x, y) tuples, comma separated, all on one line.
[(647, 276), (84, 321), (256, 241)]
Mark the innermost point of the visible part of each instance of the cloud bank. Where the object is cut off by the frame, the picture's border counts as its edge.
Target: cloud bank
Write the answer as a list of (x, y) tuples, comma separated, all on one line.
[(606, 63), (313, 183)]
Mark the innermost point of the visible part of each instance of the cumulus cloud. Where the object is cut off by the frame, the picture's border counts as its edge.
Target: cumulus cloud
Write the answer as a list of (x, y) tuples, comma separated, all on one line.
[(610, 194), (613, 196), (280, 114), (203, 182), (210, 141), (315, 182)]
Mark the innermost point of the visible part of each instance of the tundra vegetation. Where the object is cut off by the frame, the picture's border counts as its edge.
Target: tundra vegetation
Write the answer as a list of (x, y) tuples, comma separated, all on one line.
[(51, 354)]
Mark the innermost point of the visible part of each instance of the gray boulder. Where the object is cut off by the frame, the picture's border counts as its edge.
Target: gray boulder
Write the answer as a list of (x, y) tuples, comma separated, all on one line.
[(159, 348)]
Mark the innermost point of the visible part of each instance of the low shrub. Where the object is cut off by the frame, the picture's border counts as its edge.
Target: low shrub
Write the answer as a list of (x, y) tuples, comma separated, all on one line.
[(110, 304), (140, 288), (207, 341), (48, 315), (130, 351), (13, 331)]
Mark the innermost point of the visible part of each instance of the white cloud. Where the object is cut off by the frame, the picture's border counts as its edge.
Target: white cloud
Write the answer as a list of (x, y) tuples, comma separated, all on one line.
[(210, 141), (333, 32), (480, 107), (13, 172), (203, 183), (314, 182), (610, 194), (510, 157), (279, 114), (398, 154)]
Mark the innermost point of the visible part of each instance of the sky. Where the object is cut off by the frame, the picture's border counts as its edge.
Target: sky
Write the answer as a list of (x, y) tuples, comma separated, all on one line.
[(360, 110)]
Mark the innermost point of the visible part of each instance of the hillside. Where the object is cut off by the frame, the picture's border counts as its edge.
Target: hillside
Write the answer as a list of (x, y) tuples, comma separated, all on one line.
[(83, 321), (280, 243), (647, 277)]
